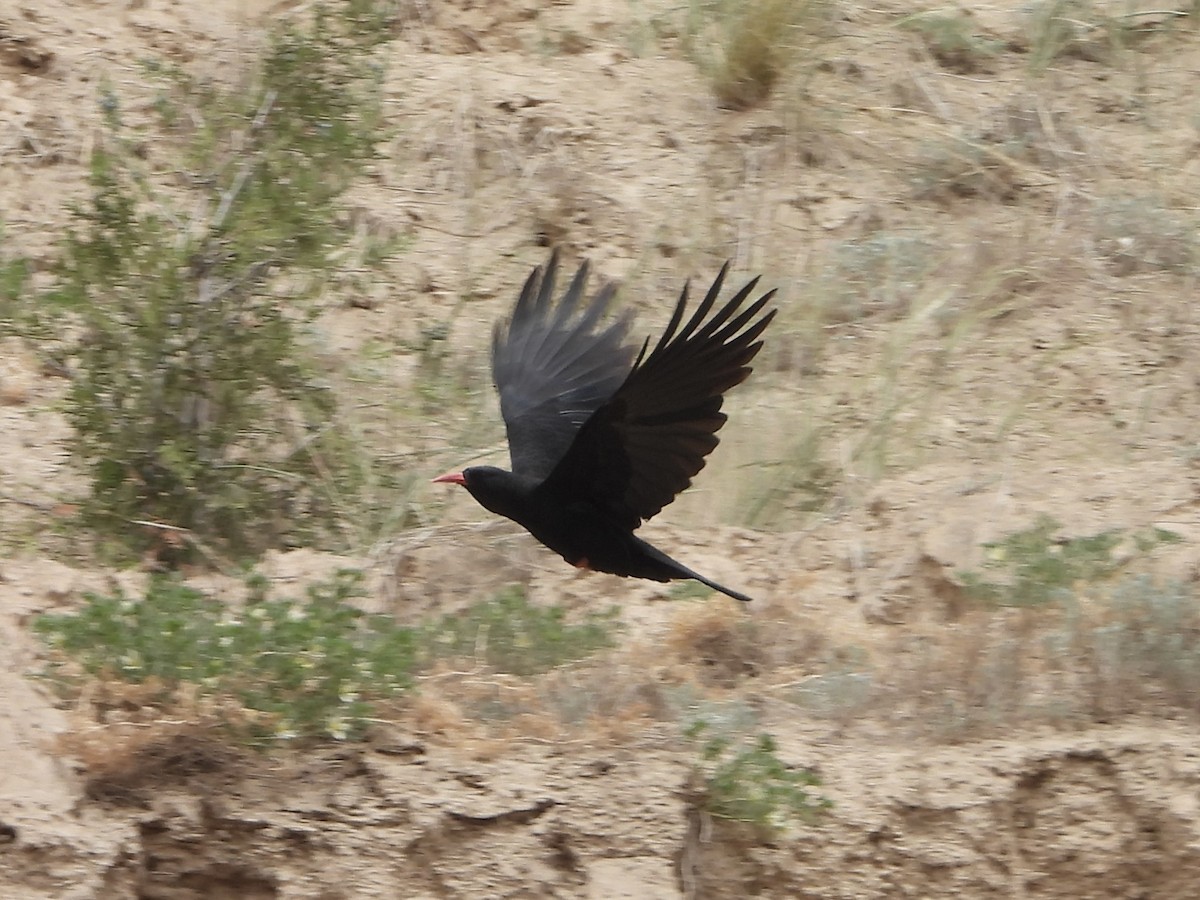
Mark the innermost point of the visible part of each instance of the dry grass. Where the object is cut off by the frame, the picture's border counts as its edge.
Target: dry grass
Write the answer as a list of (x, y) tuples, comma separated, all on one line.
[(128, 765), (746, 47), (954, 40)]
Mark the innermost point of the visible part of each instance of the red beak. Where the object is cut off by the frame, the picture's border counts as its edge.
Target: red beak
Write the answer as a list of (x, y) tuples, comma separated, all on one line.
[(451, 478)]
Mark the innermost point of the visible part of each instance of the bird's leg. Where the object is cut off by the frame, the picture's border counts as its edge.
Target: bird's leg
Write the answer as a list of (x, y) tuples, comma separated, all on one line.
[(582, 563)]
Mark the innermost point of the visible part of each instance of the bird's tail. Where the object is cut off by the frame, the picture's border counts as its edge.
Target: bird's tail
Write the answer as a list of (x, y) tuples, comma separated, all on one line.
[(667, 569)]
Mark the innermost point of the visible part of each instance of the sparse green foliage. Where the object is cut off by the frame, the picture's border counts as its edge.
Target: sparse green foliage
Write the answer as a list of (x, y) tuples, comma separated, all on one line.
[(14, 280), (745, 47), (688, 590), (312, 667), (747, 782), (1042, 568), (315, 667), (192, 405), (509, 634)]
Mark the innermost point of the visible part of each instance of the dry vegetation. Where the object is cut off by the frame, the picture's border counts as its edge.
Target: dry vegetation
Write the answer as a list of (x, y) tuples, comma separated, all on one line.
[(961, 484)]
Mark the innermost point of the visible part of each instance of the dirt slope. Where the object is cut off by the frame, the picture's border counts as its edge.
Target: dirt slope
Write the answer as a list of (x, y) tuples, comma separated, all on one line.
[(1032, 352)]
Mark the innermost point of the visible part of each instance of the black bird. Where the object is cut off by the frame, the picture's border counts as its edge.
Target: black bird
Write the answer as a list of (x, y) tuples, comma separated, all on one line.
[(599, 440)]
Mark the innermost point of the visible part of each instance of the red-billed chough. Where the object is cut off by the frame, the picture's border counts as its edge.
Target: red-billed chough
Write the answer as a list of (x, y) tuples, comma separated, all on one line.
[(599, 440)]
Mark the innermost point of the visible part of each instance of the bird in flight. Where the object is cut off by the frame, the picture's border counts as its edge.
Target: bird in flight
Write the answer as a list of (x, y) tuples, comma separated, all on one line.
[(600, 440)]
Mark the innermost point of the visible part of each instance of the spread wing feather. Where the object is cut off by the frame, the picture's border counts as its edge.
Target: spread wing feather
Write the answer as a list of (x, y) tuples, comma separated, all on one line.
[(644, 444), (552, 367)]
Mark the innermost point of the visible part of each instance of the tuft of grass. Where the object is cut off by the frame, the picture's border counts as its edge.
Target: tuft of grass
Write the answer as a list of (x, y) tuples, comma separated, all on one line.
[(745, 781), (313, 667), (1066, 634), (509, 634), (877, 275), (964, 165), (783, 492), (196, 412), (844, 689), (1041, 568), (746, 47), (1144, 644), (14, 282), (723, 643), (953, 40), (1022, 143), (1083, 29), (1140, 234), (1108, 650)]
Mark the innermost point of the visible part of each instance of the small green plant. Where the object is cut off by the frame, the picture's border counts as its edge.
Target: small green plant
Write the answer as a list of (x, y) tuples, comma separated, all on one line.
[(952, 39), (194, 408), (1042, 568), (313, 667), (745, 47), (747, 782), (14, 278), (511, 635)]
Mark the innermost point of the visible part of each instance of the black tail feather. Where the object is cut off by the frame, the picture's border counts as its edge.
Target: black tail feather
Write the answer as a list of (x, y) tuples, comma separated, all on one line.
[(663, 568)]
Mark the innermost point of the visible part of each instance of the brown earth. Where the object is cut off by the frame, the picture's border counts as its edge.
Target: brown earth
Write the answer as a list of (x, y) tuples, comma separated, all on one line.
[(1038, 356)]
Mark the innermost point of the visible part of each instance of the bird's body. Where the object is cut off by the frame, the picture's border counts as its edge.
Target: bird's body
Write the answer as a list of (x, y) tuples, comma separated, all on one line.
[(599, 440)]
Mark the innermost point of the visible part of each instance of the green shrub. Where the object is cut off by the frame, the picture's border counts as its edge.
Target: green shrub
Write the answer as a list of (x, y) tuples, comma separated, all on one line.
[(1041, 568), (194, 409), (511, 635), (14, 277), (313, 667), (747, 782)]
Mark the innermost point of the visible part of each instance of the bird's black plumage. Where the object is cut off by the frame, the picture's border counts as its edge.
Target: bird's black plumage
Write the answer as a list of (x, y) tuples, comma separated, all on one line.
[(601, 441)]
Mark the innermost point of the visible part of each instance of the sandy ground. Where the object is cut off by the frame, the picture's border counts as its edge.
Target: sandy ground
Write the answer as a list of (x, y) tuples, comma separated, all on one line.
[(1040, 358)]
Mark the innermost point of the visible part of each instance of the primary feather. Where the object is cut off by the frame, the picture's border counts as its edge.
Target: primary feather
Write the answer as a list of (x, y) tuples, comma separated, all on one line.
[(553, 368), (643, 446)]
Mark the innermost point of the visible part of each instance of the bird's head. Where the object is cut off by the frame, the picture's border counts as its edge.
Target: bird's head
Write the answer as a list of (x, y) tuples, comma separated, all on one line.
[(500, 491), (473, 477)]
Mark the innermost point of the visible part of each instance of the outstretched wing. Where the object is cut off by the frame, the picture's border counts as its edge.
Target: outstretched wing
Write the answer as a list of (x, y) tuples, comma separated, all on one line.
[(643, 446), (553, 366)]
